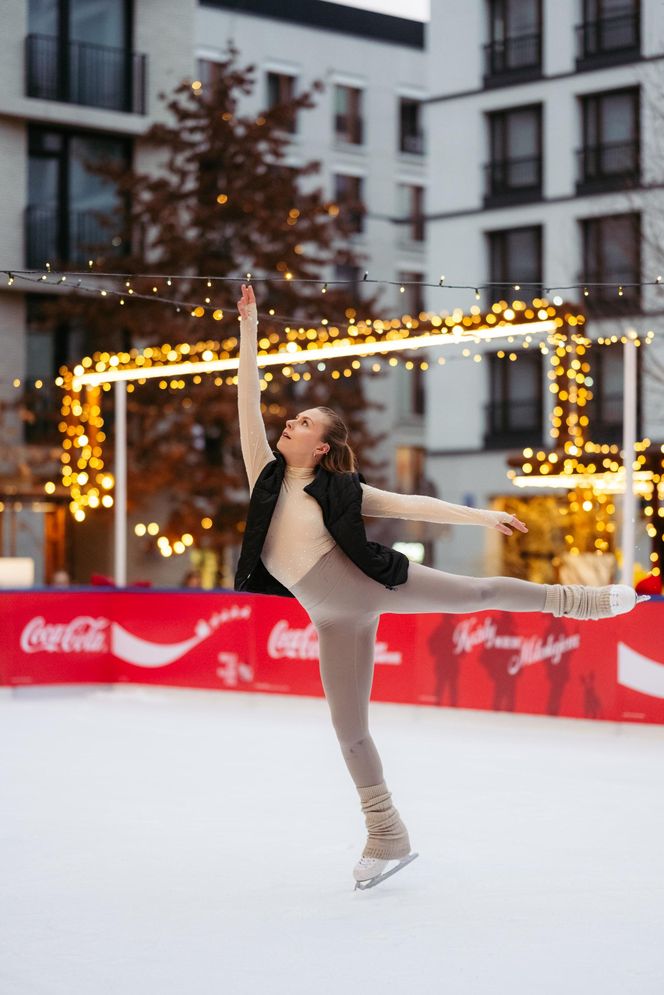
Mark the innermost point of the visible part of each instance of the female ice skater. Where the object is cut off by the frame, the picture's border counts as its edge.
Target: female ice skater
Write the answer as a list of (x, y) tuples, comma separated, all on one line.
[(304, 538)]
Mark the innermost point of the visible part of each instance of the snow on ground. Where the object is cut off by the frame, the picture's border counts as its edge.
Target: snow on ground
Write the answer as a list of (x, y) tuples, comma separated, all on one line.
[(162, 840)]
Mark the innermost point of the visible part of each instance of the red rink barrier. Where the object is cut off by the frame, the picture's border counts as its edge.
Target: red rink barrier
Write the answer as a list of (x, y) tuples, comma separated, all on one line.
[(522, 662)]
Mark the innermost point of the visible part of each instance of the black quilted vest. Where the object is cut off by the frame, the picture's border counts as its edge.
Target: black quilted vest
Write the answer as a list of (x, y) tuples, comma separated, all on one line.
[(340, 498)]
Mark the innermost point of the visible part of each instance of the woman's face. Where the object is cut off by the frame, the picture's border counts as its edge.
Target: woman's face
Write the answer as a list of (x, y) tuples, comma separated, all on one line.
[(301, 442)]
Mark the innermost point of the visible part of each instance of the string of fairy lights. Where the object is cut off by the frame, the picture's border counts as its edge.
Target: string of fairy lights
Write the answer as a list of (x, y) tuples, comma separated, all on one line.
[(82, 425)]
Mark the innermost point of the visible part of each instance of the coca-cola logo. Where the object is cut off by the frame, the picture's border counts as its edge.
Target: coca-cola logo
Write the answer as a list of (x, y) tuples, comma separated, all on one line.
[(302, 644), (82, 634)]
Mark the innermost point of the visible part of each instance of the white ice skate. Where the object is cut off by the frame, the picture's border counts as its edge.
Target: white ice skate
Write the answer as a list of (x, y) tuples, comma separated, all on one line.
[(370, 871), (624, 598)]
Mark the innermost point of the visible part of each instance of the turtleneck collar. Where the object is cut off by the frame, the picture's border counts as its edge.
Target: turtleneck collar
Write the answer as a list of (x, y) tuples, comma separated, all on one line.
[(300, 471)]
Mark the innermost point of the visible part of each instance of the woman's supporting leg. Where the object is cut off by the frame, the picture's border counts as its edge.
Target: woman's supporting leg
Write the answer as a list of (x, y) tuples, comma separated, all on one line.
[(346, 648)]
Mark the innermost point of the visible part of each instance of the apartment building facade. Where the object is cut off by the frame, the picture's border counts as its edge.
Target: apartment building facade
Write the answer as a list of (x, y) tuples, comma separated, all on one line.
[(545, 168)]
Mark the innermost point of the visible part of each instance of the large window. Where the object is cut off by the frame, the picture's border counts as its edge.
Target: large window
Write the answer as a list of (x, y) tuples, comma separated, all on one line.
[(348, 123), (514, 172), (514, 50), (612, 255), (610, 32), (66, 201), (348, 193), (514, 409), (609, 158), (79, 51), (605, 410), (280, 94), (411, 135), (411, 211), (515, 260)]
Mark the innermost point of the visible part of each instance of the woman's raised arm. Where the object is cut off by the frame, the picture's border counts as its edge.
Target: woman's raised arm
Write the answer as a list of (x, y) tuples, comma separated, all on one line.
[(423, 508), (256, 450)]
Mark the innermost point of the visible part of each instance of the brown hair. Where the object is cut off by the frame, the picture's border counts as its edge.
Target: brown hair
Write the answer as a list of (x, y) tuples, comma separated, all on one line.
[(340, 458)]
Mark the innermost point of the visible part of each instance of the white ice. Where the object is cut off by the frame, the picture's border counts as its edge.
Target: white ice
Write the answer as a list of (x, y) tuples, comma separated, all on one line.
[(159, 840)]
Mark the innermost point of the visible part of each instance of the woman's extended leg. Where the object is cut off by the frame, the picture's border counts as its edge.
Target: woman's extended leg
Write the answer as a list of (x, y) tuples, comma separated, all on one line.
[(430, 590)]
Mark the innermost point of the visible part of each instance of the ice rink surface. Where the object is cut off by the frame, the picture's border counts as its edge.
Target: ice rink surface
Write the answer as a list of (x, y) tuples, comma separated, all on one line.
[(162, 841)]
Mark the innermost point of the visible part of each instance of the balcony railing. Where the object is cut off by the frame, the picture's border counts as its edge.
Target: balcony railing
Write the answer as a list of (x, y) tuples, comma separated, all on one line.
[(610, 166), (68, 236), (512, 423), (513, 181), (412, 142), (606, 300), (349, 129), (83, 73), (513, 59), (609, 40)]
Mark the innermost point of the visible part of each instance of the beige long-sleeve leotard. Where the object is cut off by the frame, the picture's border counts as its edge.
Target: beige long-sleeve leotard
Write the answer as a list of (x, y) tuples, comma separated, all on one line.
[(297, 537)]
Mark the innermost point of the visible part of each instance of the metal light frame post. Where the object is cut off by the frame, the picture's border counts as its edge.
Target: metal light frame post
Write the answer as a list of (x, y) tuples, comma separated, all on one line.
[(629, 442), (120, 520)]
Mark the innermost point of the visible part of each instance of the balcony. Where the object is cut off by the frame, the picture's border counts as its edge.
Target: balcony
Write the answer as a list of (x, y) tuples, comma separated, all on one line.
[(511, 424), (609, 41), (512, 181), (513, 60), (86, 74), (52, 235), (611, 166)]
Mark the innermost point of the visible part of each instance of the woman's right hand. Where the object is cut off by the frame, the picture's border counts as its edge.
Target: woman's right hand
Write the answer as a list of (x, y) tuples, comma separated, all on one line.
[(247, 304)]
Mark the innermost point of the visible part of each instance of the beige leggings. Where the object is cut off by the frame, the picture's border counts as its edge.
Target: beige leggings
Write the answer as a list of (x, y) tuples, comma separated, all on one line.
[(345, 607)]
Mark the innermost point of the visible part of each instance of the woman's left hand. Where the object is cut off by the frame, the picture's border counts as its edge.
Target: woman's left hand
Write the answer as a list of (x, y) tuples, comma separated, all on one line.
[(514, 522)]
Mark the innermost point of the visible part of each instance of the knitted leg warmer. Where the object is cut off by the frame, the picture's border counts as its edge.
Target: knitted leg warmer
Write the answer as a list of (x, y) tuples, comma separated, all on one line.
[(578, 601), (388, 837)]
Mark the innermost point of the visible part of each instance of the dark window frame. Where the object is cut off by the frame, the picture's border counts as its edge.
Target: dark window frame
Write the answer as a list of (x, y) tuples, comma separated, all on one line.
[(592, 176), (592, 50), (349, 127), (498, 239), (499, 69), (505, 420), (603, 428), (284, 95), (62, 221), (50, 61), (499, 191), (411, 140), (352, 208), (606, 301)]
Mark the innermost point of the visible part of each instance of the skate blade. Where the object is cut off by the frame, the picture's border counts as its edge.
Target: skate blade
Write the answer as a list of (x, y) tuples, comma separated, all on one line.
[(371, 882), (642, 597)]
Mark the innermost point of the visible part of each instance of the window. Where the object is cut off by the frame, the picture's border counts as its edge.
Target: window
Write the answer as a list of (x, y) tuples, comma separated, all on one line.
[(609, 33), (348, 124), (412, 300), (514, 51), (349, 275), (605, 410), (208, 72), (514, 173), (515, 258), (50, 344), (410, 462), (280, 95), (514, 410), (348, 195), (66, 200), (411, 211), (611, 254), (609, 158), (411, 136), (79, 51)]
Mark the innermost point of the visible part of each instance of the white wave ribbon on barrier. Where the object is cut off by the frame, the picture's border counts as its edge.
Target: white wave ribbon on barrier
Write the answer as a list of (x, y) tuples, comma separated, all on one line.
[(143, 653), (639, 672)]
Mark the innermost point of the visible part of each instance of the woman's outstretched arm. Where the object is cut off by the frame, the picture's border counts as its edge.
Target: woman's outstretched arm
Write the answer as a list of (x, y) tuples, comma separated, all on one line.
[(423, 508), (256, 450)]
